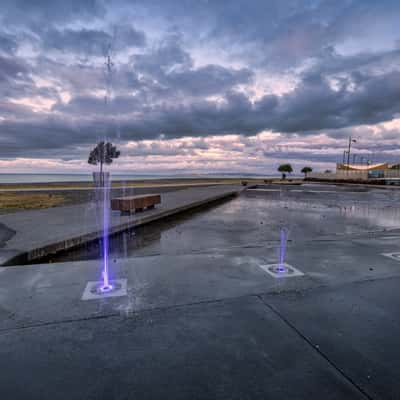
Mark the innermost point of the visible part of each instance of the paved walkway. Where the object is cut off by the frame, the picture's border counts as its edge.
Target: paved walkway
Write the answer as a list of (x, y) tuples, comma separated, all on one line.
[(215, 325), (34, 234), (154, 186), (207, 326)]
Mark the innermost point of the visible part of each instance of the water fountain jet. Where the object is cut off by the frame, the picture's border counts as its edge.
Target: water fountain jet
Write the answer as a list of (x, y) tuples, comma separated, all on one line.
[(282, 269), (104, 153)]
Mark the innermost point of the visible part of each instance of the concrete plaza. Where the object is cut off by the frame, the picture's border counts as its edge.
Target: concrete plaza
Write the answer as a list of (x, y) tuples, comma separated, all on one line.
[(25, 236), (212, 324)]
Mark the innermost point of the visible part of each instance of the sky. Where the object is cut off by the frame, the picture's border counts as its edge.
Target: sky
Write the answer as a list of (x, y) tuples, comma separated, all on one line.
[(200, 86)]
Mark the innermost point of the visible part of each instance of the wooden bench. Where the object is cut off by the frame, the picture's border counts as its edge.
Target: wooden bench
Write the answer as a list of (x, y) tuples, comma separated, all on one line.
[(136, 203)]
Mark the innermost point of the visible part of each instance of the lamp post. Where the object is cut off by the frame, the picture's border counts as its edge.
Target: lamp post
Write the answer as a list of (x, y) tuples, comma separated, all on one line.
[(348, 151)]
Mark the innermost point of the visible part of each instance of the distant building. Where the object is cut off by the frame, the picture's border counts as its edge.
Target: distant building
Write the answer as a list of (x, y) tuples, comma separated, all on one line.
[(388, 173), (363, 171), (356, 167)]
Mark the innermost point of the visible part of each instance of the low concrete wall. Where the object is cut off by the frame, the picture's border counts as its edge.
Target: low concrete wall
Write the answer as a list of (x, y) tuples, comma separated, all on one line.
[(352, 175), (39, 233), (392, 173)]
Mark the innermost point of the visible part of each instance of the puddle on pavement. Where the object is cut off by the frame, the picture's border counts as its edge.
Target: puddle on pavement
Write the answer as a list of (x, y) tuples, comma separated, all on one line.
[(253, 219)]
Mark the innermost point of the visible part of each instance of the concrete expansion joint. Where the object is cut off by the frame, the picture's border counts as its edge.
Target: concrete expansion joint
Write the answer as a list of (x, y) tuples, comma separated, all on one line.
[(316, 348)]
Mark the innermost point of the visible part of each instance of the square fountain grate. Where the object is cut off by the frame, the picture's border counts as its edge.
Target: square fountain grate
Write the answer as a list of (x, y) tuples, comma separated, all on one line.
[(394, 256), (92, 290), (281, 271)]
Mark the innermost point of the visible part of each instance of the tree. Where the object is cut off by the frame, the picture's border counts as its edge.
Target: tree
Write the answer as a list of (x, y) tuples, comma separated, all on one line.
[(306, 170), (103, 153), (285, 168)]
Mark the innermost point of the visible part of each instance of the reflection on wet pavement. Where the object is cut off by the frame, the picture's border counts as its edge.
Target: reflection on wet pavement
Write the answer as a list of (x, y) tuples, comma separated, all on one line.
[(254, 218)]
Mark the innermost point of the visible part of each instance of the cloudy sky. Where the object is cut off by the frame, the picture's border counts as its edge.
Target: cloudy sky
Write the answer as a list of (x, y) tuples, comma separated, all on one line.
[(198, 86)]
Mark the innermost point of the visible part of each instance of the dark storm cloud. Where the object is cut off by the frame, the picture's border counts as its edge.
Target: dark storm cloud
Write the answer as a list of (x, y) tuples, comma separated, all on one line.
[(16, 82), (208, 80), (38, 13), (100, 106), (330, 62), (162, 86), (44, 137), (311, 107), (165, 55), (8, 44), (11, 68), (314, 105), (91, 41), (84, 41), (275, 34), (15, 79), (172, 67)]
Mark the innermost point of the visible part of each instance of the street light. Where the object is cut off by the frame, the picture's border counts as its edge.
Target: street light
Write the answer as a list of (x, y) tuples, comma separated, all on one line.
[(348, 152)]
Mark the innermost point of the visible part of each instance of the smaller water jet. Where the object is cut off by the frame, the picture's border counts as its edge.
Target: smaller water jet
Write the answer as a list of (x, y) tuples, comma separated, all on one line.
[(282, 269)]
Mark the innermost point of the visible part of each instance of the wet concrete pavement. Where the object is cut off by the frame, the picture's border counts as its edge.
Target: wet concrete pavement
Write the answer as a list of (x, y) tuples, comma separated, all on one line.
[(38, 233), (356, 327), (233, 349), (203, 320), (310, 212)]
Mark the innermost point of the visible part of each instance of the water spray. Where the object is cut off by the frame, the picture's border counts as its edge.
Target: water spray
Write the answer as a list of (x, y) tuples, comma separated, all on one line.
[(282, 249), (281, 269), (106, 287)]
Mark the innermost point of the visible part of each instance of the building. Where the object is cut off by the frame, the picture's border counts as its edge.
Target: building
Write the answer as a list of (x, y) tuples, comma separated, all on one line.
[(385, 172), (362, 171), (358, 167)]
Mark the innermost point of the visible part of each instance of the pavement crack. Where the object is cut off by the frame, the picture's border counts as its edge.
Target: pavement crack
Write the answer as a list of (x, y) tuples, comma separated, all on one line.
[(65, 321), (315, 348)]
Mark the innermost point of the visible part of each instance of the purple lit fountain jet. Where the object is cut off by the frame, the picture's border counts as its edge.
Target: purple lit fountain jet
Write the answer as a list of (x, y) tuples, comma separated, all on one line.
[(282, 250), (106, 286)]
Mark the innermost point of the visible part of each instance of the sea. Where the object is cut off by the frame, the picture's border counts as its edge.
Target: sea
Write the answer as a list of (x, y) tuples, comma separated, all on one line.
[(45, 178)]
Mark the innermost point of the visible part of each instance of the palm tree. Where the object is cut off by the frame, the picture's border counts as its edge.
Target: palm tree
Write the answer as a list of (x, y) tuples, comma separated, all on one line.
[(103, 153), (285, 168), (305, 171)]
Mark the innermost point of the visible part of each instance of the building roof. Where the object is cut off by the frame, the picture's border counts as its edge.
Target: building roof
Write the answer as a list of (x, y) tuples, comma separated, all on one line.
[(370, 167)]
